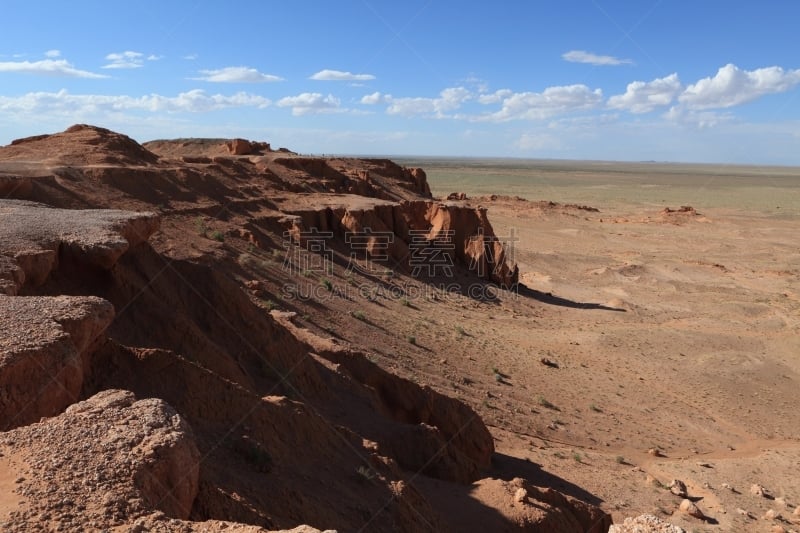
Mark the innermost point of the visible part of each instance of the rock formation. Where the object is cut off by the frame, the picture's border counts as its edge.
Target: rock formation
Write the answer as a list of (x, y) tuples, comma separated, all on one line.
[(244, 420)]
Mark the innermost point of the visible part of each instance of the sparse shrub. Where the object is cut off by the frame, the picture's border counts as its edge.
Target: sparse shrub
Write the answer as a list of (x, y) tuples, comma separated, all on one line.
[(358, 315), (620, 460), (269, 305), (404, 302), (247, 261), (460, 331), (558, 455), (596, 409), (327, 284), (218, 236), (411, 339), (545, 403), (578, 458), (200, 226), (365, 473)]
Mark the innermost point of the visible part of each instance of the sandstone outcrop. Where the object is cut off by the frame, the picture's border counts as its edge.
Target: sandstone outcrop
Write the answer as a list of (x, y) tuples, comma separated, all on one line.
[(45, 346), (36, 237), (239, 147), (104, 462), (459, 234)]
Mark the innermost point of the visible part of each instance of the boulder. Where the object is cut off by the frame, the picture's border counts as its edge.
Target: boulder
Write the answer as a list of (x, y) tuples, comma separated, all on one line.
[(113, 459), (689, 507), (678, 488)]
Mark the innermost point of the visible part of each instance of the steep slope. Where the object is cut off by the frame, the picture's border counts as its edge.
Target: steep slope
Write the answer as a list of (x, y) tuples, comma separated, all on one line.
[(291, 426)]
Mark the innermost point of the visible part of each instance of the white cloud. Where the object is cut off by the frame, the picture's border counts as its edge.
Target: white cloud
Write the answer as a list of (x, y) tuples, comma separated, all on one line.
[(47, 67), (732, 86), (584, 123), (52, 54), (154, 57), (125, 59), (449, 99), (338, 75), (697, 119), (190, 57), (641, 97), (581, 56), (236, 75), (194, 101), (375, 98), (552, 101), (310, 104), (495, 97)]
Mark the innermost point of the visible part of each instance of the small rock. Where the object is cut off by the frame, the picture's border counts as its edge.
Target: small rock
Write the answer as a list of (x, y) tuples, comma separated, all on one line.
[(744, 513), (797, 511), (678, 488), (778, 529), (655, 452), (520, 495), (704, 465), (780, 501), (771, 514), (758, 490), (688, 507)]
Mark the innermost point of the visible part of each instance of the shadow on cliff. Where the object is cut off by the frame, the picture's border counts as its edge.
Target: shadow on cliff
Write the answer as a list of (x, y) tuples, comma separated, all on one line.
[(507, 467), (551, 299)]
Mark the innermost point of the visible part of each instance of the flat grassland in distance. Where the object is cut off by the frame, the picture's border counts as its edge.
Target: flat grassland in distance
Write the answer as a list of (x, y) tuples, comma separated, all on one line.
[(763, 189), (640, 329)]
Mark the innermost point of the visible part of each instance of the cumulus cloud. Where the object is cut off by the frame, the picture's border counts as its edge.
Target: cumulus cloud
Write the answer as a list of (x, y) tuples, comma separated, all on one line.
[(338, 75), (125, 59), (732, 86), (495, 97), (154, 57), (52, 54), (375, 98), (310, 103), (581, 56), (643, 97), (47, 67), (236, 75), (194, 101), (552, 101), (449, 99)]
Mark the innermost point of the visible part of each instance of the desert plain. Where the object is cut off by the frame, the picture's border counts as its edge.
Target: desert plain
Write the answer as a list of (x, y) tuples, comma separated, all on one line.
[(672, 330)]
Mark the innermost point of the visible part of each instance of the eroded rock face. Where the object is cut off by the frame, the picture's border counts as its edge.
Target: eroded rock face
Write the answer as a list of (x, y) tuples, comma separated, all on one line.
[(239, 147), (113, 459), (462, 232), (34, 236), (44, 353)]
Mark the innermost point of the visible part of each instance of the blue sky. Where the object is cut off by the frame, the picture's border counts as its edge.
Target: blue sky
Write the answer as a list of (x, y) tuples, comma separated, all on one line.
[(668, 80)]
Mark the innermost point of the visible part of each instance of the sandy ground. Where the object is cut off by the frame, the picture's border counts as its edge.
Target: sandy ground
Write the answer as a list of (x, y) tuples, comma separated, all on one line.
[(672, 332), (701, 363)]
